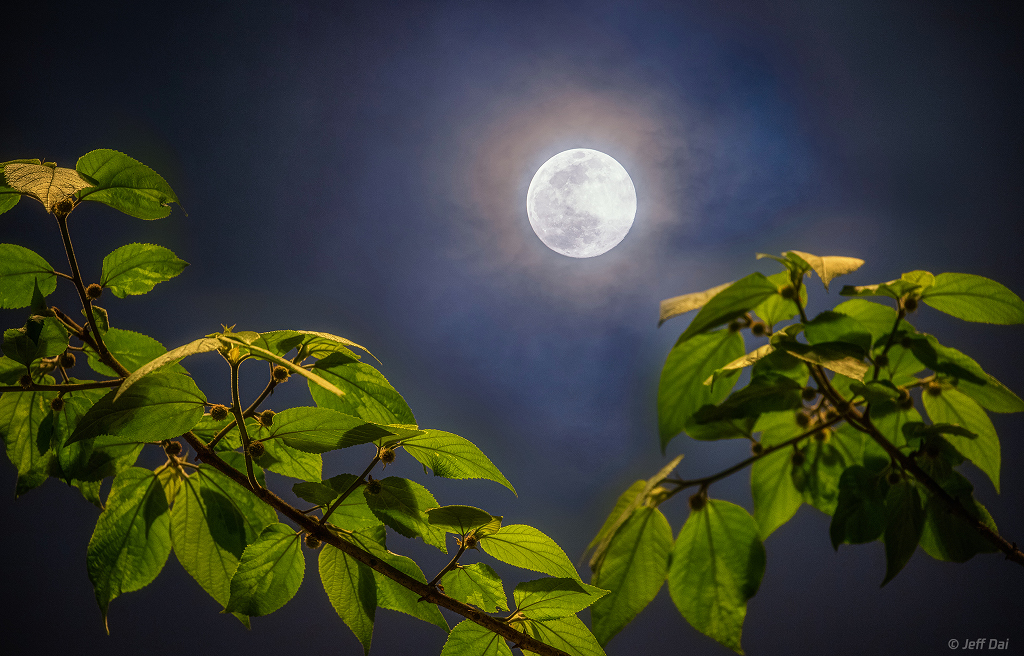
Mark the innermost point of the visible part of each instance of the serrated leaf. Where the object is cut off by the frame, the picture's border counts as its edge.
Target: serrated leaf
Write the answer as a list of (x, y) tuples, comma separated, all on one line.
[(569, 634), (229, 340), (738, 298), (877, 319), (954, 407), (352, 591), (822, 463), (550, 598), (776, 498), (458, 519), (131, 349), (717, 564), (766, 393), (614, 520), (318, 430), (451, 456), (476, 584), (212, 522), (159, 407), (282, 459), (8, 198), (904, 520), (860, 514), (368, 394), (136, 268), (41, 337), (966, 374), (677, 305), (201, 345), (28, 447), (633, 570), (681, 388), (829, 267), (946, 536), (974, 298), (892, 289), (777, 308), (47, 184), (526, 547), (20, 270), (402, 505), (269, 572), (125, 184), (470, 639), (834, 356), (132, 538), (838, 327)]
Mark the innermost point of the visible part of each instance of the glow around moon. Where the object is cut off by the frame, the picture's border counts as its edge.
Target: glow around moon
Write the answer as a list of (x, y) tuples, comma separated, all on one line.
[(581, 203)]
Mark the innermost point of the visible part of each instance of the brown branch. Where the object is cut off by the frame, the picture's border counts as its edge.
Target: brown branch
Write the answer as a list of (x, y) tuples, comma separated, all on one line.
[(310, 525), (69, 387)]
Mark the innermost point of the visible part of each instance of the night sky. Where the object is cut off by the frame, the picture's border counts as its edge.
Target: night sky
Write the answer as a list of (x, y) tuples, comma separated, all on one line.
[(362, 169)]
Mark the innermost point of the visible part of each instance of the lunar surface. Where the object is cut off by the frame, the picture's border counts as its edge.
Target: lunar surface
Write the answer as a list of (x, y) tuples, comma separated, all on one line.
[(581, 203)]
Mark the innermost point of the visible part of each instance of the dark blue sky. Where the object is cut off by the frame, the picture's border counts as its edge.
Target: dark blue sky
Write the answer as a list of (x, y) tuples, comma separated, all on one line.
[(362, 170)]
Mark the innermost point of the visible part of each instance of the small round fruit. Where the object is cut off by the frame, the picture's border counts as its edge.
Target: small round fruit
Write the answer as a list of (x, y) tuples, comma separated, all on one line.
[(882, 360), (387, 455), (25, 381), (93, 291), (758, 329), (266, 418), (934, 388), (803, 419), (910, 304), (788, 292), (698, 501), (280, 374), (219, 412), (734, 326), (893, 478), (797, 458), (757, 448), (57, 404), (172, 448), (312, 541), (67, 359), (256, 450), (373, 487), (64, 207), (809, 394), (471, 542)]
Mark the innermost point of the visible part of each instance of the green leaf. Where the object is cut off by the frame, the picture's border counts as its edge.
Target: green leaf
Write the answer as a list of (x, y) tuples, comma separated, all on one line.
[(351, 588), (875, 391), (269, 572), (738, 298), (352, 514), (368, 394), (742, 362), (946, 536), (904, 520), (681, 390), (102, 318), (318, 430), (131, 349), (8, 198), (617, 517), (42, 337), (202, 345), (966, 374), (892, 289), (46, 183), (402, 505), (877, 319), (526, 547), (20, 271), (282, 459), (953, 407), (159, 407), (137, 268), (125, 184), (860, 514), (829, 267), (891, 420), (677, 305), (10, 371), (777, 308), (776, 498), (569, 634), (717, 564), (476, 584), (470, 639), (451, 456), (834, 356), (458, 519), (549, 599), (28, 447), (132, 538), (974, 298), (822, 462), (766, 393), (838, 327), (633, 569), (212, 522), (231, 340)]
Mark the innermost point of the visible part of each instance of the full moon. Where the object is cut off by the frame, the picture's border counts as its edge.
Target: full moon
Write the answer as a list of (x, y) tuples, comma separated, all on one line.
[(581, 203)]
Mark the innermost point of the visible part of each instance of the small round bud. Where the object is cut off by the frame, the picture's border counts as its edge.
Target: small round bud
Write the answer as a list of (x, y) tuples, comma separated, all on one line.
[(57, 404), (906, 342), (757, 448), (893, 477), (758, 329), (172, 448), (934, 388), (256, 450), (280, 374), (312, 541), (803, 419), (809, 394), (373, 487), (266, 418), (797, 458), (93, 291), (67, 359), (823, 434), (219, 412), (910, 304), (64, 207), (387, 455), (788, 292), (471, 542), (882, 360), (25, 381), (698, 501), (734, 326)]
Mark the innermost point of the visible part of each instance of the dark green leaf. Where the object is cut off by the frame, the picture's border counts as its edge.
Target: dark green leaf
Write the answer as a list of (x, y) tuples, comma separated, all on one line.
[(717, 564), (137, 268), (526, 547), (953, 407), (282, 459), (269, 572), (738, 298), (125, 184), (159, 407), (549, 599), (20, 271), (458, 519), (946, 536), (838, 327), (681, 390), (890, 419), (821, 464), (633, 569), (476, 584), (470, 639), (767, 393), (368, 394), (877, 319), (42, 337), (202, 345), (28, 447), (974, 298), (904, 520), (451, 456), (402, 505), (8, 198), (351, 588), (891, 289), (130, 348), (777, 308), (317, 430), (569, 634), (132, 538), (966, 374), (834, 356), (860, 514), (879, 391)]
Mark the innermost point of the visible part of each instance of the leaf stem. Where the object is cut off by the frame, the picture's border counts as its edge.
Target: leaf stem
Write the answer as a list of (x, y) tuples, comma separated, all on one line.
[(250, 411), (356, 483), (235, 405), (451, 565)]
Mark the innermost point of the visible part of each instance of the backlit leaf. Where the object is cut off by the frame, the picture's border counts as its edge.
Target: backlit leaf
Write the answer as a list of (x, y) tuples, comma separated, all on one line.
[(269, 572), (351, 588), (201, 345), (458, 519), (470, 639), (569, 634), (402, 505), (137, 268), (548, 599), (28, 448), (738, 298), (476, 584), (368, 394), (677, 305), (20, 270), (904, 520), (47, 184), (974, 298), (451, 456), (318, 430), (954, 407), (125, 184), (828, 267), (526, 547)]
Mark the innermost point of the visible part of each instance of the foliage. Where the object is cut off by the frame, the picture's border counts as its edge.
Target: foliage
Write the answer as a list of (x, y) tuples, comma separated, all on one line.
[(835, 411), (208, 502)]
